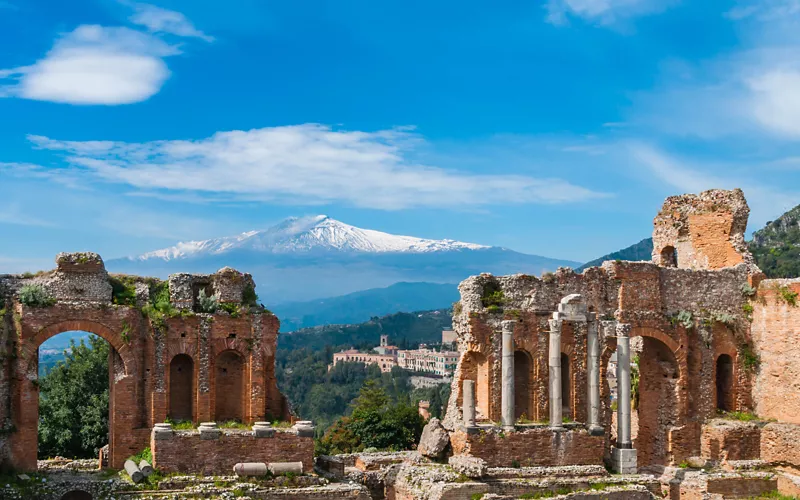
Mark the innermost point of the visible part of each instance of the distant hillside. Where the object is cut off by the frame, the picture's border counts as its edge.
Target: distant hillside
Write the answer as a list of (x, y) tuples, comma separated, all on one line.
[(640, 251), (404, 330), (776, 247), (361, 306)]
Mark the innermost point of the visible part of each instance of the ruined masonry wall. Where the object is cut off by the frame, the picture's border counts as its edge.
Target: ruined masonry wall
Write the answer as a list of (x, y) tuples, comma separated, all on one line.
[(776, 336), (186, 451), (531, 447)]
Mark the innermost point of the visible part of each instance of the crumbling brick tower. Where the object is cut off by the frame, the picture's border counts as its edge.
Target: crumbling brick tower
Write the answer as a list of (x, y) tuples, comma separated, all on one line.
[(168, 358), (700, 314)]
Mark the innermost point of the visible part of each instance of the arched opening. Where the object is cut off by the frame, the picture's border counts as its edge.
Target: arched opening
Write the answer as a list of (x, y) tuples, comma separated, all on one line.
[(72, 371), (229, 384), (181, 388), (724, 378), (566, 386), (658, 401), (474, 367), (76, 495), (669, 257), (523, 366)]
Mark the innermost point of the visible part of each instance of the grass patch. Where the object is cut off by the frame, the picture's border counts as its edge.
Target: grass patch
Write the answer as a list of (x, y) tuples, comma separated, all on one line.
[(123, 290), (777, 495), (233, 424), (181, 425), (741, 416), (145, 454)]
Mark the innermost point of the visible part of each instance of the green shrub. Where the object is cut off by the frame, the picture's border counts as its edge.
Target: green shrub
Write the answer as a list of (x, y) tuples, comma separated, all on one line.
[(747, 290), (787, 295), (123, 290), (35, 295), (750, 360), (742, 416), (249, 296), (206, 303)]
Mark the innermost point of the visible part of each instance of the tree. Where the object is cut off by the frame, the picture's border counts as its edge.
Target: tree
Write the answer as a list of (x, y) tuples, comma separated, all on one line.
[(73, 402), (375, 422)]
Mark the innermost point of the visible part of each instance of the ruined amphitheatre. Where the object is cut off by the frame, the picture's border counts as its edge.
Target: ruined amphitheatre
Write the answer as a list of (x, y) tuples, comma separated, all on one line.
[(530, 413)]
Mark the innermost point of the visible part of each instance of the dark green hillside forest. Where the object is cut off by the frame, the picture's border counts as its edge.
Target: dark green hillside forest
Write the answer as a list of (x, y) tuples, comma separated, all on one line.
[(776, 248)]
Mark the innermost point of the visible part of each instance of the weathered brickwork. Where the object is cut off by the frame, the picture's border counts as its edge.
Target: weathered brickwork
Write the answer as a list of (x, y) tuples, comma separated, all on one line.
[(160, 364), (779, 444), (186, 451), (690, 317), (724, 440), (537, 446)]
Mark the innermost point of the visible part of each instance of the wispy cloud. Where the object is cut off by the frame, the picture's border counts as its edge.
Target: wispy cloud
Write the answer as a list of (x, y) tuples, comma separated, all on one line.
[(603, 12), (159, 20), (766, 202), (15, 214), (307, 164)]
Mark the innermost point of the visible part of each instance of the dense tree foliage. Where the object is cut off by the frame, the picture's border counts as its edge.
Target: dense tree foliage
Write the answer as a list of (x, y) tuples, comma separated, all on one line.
[(73, 402), (376, 421), (776, 248)]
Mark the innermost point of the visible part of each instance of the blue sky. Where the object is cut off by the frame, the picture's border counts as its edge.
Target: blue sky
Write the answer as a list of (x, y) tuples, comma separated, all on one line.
[(552, 127)]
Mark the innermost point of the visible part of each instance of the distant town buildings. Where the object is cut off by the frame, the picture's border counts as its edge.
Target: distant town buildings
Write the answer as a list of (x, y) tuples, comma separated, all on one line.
[(448, 336), (384, 361), (428, 361), (422, 360)]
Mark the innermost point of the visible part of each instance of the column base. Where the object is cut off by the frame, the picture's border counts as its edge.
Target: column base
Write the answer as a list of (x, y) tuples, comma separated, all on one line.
[(596, 430), (623, 460), (558, 428)]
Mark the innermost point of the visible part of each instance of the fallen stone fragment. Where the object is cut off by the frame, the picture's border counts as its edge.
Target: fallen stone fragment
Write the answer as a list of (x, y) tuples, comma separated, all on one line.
[(133, 471), (250, 469), (434, 439), (278, 468)]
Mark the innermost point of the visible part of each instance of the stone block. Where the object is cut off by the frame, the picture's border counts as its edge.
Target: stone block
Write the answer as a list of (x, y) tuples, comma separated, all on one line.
[(473, 467), (434, 439), (623, 460)]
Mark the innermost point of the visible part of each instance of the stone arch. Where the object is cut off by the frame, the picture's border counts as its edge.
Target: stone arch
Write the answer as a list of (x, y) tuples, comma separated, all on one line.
[(669, 256), (523, 385), (724, 383), (76, 495), (230, 370), (474, 366), (30, 348), (659, 410), (181, 388)]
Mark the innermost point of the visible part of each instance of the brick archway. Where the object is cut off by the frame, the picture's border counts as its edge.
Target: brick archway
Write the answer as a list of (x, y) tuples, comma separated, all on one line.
[(29, 349)]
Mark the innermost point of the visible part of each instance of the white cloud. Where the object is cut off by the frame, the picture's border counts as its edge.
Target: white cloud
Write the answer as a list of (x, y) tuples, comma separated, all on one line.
[(603, 11), (776, 101), (15, 214), (160, 20), (95, 65), (307, 164)]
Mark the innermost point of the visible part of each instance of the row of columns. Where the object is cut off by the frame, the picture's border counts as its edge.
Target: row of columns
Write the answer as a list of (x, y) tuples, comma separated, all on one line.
[(573, 309)]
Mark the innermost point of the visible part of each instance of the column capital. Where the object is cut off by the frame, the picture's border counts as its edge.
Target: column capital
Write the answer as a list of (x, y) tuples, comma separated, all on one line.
[(555, 323), (623, 330), (507, 325)]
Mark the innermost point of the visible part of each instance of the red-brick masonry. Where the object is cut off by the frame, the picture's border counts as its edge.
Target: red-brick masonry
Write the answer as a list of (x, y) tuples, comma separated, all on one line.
[(186, 451), (538, 446)]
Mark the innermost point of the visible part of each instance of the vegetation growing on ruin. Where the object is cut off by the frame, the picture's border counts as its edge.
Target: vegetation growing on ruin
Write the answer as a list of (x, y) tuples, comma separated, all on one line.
[(35, 295), (249, 296), (787, 295), (493, 297), (747, 309), (750, 359), (123, 290), (742, 416), (73, 407), (207, 303), (683, 318), (747, 290)]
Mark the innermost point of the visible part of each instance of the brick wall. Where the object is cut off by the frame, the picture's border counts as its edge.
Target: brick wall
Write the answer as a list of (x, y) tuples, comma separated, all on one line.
[(723, 440), (776, 336), (537, 446), (185, 451)]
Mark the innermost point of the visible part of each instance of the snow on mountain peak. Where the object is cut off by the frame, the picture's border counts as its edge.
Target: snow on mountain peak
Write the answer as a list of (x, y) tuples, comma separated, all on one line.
[(305, 234)]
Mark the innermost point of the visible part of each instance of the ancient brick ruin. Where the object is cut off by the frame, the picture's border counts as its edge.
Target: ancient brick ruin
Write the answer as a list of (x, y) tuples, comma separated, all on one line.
[(710, 334), (182, 364), (698, 330)]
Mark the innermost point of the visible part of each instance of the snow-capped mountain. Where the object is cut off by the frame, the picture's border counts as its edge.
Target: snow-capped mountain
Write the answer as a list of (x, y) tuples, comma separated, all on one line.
[(304, 259), (308, 234)]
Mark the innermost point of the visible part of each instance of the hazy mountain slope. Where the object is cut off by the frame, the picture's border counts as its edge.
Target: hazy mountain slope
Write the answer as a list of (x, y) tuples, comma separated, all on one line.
[(776, 247), (640, 251), (318, 257), (361, 306)]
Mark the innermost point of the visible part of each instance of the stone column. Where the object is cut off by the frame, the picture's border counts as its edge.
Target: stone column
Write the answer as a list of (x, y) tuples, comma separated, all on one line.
[(554, 362), (468, 403), (623, 386), (623, 456), (593, 382), (507, 396)]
